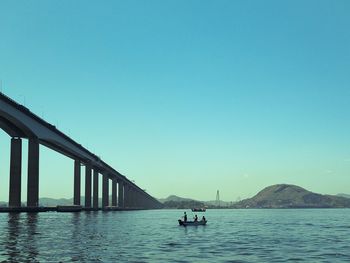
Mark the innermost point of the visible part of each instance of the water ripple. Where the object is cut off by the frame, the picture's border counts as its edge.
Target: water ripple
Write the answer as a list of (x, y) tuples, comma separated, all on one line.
[(154, 236)]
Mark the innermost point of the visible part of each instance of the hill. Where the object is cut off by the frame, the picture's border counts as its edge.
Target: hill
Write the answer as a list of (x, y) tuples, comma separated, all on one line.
[(292, 196), (174, 201), (214, 204), (344, 195), (47, 201)]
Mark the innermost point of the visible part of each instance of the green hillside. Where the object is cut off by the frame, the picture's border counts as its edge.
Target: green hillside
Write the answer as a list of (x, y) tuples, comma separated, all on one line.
[(292, 196)]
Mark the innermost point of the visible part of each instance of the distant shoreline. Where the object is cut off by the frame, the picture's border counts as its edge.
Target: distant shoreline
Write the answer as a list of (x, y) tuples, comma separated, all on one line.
[(280, 196)]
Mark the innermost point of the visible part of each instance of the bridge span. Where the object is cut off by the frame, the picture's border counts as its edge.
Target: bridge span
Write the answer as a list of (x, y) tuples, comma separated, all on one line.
[(20, 123)]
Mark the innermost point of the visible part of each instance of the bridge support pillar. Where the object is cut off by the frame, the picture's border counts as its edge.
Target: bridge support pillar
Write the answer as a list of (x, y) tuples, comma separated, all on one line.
[(131, 196), (120, 194), (134, 198), (88, 186), (76, 182), (33, 173), (105, 195), (95, 189), (139, 200), (126, 196), (15, 173), (114, 193)]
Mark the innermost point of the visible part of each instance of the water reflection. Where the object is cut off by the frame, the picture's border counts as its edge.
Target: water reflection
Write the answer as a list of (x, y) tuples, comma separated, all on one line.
[(20, 243), (77, 248), (31, 241), (154, 236), (11, 244)]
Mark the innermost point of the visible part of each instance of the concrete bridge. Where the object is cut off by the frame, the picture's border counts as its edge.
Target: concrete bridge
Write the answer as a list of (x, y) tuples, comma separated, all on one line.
[(20, 123)]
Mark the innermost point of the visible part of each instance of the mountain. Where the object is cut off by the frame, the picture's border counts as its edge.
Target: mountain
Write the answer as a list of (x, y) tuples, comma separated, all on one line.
[(174, 198), (215, 203), (292, 196), (174, 201), (47, 201), (183, 204), (344, 195)]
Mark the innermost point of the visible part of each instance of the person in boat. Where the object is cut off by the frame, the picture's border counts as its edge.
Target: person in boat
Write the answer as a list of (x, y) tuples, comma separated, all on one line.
[(185, 217), (195, 218), (203, 218)]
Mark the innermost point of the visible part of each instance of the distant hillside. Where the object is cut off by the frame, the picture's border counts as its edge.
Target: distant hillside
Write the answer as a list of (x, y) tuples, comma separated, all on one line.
[(183, 204), (292, 196), (344, 195), (174, 198), (46, 201), (215, 203), (174, 201)]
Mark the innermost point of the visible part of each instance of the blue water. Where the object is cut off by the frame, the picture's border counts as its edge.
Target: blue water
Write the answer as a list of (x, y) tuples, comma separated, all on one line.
[(314, 235)]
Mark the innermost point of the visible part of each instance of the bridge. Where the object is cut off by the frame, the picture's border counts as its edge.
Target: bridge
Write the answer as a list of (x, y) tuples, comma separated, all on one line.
[(20, 123)]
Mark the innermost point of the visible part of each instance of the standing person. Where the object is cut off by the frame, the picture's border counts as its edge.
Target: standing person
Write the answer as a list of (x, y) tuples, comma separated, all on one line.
[(195, 218), (185, 217)]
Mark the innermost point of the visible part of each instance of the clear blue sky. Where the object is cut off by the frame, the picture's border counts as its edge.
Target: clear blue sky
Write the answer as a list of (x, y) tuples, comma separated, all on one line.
[(186, 97)]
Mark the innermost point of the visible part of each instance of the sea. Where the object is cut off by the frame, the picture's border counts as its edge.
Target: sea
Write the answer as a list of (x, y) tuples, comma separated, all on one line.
[(231, 235)]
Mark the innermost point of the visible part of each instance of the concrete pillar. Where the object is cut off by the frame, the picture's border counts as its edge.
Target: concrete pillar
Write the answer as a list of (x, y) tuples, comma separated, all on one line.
[(127, 201), (114, 193), (125, 187), (15, 173), (131, 196), (120, 194), (88, 186), (138, 199), (77, 182), (33, 173), (105, 191), (135, 198), (95, 193)]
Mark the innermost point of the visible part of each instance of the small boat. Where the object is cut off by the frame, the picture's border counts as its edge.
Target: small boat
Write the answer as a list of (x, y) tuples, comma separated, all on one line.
[(192, 223), (198, 209), (69, 208)]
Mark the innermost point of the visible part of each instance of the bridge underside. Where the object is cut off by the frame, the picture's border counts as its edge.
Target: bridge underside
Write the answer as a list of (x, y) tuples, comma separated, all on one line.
[(19, 123)]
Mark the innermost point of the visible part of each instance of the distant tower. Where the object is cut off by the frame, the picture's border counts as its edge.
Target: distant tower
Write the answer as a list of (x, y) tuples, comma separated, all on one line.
[(217, 198)]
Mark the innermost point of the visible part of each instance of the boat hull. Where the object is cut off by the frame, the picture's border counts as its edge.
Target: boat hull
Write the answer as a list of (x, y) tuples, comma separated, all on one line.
[(192, 223), (198, 209)]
